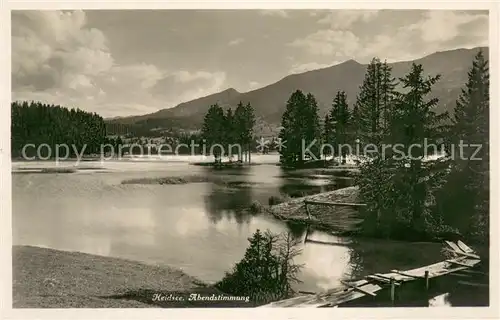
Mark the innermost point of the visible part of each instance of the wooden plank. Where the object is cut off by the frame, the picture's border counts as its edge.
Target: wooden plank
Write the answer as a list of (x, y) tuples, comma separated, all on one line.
[(307, 292), (376, 282), (358, 288), (442, 268), (331, 298), (379, 279), (307, 210), (454, 247), (459, 263), (352, 295), (458, 250), (414, 276), (326, 243), (383, 276), (464, 247), (470, 255), (328, 203)]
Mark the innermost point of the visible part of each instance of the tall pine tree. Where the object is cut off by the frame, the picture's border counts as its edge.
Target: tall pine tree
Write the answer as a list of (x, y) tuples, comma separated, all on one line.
[(354, 126), (414, 121), (229, 131), (311, 130), (291, 130), (374, 101), (249, 125), (339, 115), (327, 137), (464, 201), (402, 203), (214, 129)]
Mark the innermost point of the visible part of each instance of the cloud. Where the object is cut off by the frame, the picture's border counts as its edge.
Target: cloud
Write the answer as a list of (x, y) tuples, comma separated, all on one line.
[(299, 68), (434, 31), (57, 58), (275, 13), (53, 48), (329, 42), (446, 25), (183, 85), (393, 35), (253, 85), (342, 19), (236, 42)]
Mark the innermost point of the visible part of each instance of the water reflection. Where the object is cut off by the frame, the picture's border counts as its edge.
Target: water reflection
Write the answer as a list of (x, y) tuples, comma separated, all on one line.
[(200, 227), (441, 300), (229, 203), (297, 230)]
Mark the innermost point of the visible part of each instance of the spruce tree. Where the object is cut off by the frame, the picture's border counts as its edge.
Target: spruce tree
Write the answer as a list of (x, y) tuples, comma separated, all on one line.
[(354, 128), (339, 115), (327, 137), (291, 130), (402, 203), (414, 121), (244, 122), (311, 130), (249, 125), (229, 130), (464, 201), (213, 129), (387, 86), (374, 101)]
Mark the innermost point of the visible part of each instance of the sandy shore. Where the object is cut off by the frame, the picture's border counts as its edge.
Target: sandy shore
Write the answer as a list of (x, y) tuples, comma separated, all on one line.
[(48, 278)]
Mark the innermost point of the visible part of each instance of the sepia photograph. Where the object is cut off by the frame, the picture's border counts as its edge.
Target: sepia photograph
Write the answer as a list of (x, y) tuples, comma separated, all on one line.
[(250, 158)]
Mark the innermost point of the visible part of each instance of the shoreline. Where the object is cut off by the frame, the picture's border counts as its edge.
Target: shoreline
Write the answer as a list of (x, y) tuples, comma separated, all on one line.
[(51, 278), (342, 220)]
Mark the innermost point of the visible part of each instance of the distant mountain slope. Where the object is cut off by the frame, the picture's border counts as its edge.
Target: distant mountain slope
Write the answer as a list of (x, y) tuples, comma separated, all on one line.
[(269, 102)]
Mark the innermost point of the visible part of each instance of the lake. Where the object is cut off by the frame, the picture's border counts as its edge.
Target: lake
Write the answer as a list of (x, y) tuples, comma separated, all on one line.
[(201, 228)]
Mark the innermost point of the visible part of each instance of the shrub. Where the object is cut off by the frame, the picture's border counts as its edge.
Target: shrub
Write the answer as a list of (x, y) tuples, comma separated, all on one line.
[(267, 270), (274, 200), (256, 207)]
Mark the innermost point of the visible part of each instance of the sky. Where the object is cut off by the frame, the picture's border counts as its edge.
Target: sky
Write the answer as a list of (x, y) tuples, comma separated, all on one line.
[(129, 62)]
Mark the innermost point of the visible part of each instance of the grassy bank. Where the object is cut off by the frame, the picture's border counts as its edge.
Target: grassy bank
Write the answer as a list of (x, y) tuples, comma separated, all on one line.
[(48, 278), (218, 180), (172, 180), (339, 219), (225, 164)]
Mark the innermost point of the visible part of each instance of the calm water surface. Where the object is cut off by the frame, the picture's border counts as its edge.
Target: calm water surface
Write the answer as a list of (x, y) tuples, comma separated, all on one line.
[(198, 227)]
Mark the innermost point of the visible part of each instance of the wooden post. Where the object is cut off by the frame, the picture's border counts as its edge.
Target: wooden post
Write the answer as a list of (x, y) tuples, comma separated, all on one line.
[(393, 289), (308, 222), (426, 279), (307, 211)]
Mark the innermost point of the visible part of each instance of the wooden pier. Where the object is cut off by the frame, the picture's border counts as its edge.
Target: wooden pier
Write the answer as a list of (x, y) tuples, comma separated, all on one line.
[(465, 260)]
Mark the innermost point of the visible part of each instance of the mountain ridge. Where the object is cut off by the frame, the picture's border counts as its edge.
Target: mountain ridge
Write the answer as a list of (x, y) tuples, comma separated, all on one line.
[(269, 101)]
